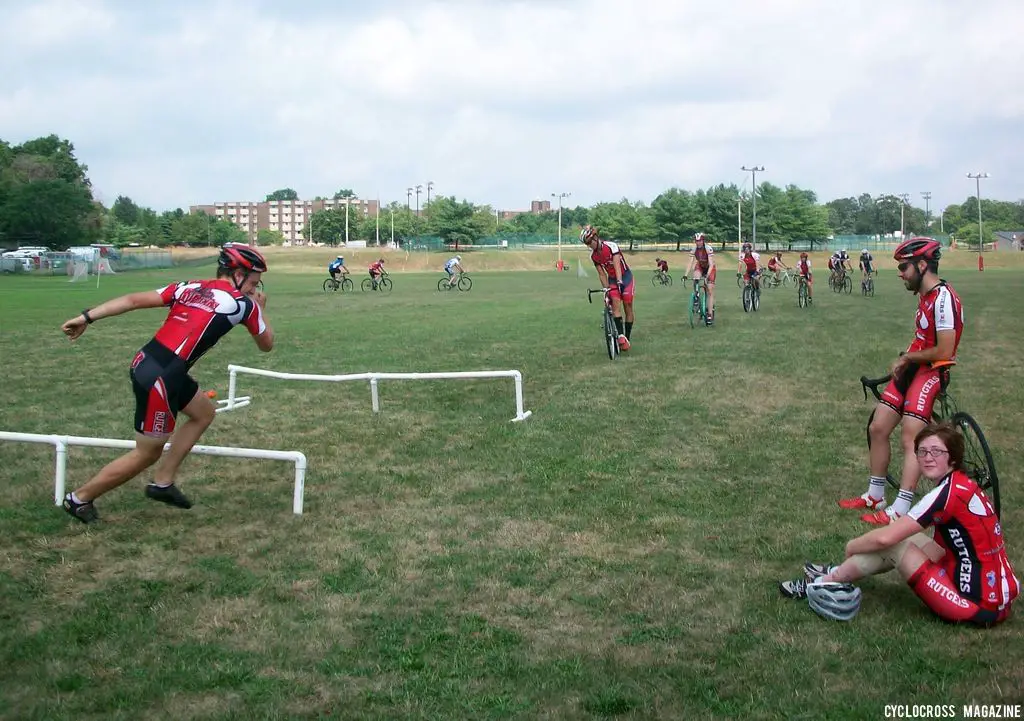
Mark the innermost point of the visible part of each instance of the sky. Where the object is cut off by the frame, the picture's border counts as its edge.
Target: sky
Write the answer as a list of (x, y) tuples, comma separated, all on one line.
[(183, 102)]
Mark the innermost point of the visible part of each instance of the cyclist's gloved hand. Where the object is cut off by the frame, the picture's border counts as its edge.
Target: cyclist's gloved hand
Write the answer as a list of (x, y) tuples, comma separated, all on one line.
[(622, 288), (739, 275), (684, 278)]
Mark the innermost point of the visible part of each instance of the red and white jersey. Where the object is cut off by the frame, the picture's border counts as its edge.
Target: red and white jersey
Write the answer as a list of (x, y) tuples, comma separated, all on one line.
[(704, 256), (203, 311), (376, 267), (804, 267), (751, 260), (967, 528), (938, 310), (773, 263), (604, 257)]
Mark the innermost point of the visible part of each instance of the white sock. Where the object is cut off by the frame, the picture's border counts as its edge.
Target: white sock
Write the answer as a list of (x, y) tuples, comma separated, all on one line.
[(903, 502), (76, 499), (163, 485), (876, 488)]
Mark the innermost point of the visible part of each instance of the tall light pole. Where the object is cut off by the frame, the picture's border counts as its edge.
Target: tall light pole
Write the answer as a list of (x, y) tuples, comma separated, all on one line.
[(408, 197), (753, 188), (560, 196), (430, 184), (977, 180), (419, 189), (904, 197), (927, 195), (739, 220)]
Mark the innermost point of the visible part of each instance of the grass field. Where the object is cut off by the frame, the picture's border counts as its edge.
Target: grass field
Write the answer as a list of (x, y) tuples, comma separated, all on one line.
[(615, 555)]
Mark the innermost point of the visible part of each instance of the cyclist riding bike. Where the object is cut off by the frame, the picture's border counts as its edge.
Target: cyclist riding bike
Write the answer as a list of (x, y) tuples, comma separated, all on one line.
[(337, 269), (961, 572), (840, 263), (918, 375), (702, 267), (803, 269), (453, 267), (662, 266), (867, 265), (775, 265), (376, 271), (614, 274), (750, 265)]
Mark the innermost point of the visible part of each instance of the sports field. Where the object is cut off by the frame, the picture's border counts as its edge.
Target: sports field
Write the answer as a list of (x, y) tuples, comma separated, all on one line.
[(615, 555)]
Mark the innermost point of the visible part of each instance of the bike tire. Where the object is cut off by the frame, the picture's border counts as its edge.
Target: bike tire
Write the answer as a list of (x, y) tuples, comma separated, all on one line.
[(442, 285), (848, 284), (347, 285), (611, 335), (366, 285), (465, 283), (656, 281), (739, 281), (978, 461), (755, 299), (329, 286), (786, 280), (384, 285), (746, 298), (694, 310), (801, 296), (871, 287)]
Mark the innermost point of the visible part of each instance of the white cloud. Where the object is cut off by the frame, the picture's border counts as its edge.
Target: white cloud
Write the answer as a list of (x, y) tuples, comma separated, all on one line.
[(502, 102)]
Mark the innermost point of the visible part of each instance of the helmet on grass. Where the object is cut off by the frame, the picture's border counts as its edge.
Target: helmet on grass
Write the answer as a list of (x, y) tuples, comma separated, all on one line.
[(918, 249), (588, 234), (239, 256), (836, 601)]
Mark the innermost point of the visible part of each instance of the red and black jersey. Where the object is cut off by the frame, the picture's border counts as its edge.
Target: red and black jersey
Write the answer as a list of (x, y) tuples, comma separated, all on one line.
[(201, 312), (376, 267), (939, 309), (604, 257), (967, 528)]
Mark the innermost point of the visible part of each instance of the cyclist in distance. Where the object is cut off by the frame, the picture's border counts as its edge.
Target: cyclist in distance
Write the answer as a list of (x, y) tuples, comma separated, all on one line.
[(750, 265), (775, 265), (453, 267), (614, 274), (662, 266), (376, 271), (803, 269), (702, 266), (337, 269), (918, 375), (867, 265)]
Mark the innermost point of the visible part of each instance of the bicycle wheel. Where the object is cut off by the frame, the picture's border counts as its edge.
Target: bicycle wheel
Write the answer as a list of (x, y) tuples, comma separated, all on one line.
[(384, 285), (871, 286), (694, 310), (329, 286), (347, 285), (611, 335), (746, 298), (442, 285), (978, 461), (801, 296), (739, 281), (655, 280), (785, 280), (863, 287), (755, 299), (465, 283), (848, 284), (366, 285)]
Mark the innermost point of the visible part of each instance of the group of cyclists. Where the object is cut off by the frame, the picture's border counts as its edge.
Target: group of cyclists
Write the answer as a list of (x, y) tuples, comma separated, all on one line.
[(840, 262), (339, 271)]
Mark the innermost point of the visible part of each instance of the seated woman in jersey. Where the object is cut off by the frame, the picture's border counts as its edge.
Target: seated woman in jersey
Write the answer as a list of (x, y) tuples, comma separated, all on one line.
[(962, 573)]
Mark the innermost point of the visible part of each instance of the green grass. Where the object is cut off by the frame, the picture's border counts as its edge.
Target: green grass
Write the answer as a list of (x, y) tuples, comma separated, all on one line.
[(615, 555)]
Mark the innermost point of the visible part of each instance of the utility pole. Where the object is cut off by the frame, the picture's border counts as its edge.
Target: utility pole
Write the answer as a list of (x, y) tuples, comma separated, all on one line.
[(739, 221), (904, 197), (408, 197), (419, 189), (430, 184), (753, 187), (927, 195), (560, 196), (977, 179)]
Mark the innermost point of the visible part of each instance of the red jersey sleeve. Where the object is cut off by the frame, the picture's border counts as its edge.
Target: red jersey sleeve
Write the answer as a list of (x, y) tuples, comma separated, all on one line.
[(168, 291), (254, 318)]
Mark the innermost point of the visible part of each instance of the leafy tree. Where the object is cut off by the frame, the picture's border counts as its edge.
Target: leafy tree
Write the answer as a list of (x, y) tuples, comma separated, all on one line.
[(455, 221), (266, 236), (125, 210), (344, 193), (61, 154), (283, 194), (54, 213)]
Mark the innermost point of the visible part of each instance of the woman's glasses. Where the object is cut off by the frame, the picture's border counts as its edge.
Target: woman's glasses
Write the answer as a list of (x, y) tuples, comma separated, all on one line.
[(933, 452)]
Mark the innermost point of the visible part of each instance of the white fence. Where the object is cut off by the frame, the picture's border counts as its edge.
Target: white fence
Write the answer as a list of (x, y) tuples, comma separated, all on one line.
[(61, 443), (234, 401)]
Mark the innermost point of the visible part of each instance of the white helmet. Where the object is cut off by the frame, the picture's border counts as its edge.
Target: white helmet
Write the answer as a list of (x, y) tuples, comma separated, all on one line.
[(340, 258), (458, 258), (836, 601), (864, 252)]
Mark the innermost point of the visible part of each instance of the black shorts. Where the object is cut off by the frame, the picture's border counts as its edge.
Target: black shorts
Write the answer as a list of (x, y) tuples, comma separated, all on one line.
[(162, 388)]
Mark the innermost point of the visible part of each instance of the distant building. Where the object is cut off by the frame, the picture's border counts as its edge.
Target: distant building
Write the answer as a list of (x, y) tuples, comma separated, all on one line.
[(288, 217)]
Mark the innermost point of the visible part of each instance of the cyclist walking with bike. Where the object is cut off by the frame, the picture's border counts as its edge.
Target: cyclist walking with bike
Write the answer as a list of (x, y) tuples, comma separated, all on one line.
[(917, 378), (614, 274), (702, 268)]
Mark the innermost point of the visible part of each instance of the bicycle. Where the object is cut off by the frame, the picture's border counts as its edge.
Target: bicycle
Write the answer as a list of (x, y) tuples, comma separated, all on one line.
[(661, 279), (333, 284), (752, 294), (611, 333), (383, 283), (784, 278), (841, 281), (464, 283), (867, 285), (699, 302), (803, 292), (978, 463)]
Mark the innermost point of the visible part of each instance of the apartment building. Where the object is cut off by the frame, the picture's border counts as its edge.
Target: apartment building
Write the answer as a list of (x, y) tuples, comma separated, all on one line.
[(288, 217)]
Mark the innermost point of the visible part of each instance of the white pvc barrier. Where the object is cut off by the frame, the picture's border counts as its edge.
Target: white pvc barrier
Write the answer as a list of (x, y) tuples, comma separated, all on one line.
[(234, 401), (61, 443)]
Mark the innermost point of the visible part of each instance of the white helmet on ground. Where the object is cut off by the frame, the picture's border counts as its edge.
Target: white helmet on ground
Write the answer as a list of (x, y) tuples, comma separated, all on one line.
[(836, 601)]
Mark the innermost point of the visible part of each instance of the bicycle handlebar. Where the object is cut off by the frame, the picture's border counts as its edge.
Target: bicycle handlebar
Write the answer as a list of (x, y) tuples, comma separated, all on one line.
[(591, 291), (872, 385)]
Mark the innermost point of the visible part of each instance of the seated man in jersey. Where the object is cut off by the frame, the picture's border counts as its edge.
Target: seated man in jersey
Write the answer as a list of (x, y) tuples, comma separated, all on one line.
[(376, 271), (867, 265), (662, 266), (453, 267), (750, 264), (200, 313), (962, 572), (702, 267), (337, 269), (775, 265), (614, 274), (918, 375), (803, 269)]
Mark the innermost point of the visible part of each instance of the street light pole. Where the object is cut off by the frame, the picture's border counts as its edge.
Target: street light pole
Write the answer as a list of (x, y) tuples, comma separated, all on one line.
[(419, 189), (560, 196), (977, 180), (753, 188), (408, 197), (904, 197), (739, 220), (430, 184), (927, 195)]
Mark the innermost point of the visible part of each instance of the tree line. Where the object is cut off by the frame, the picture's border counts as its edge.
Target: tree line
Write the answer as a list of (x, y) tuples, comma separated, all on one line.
[(46, 199)]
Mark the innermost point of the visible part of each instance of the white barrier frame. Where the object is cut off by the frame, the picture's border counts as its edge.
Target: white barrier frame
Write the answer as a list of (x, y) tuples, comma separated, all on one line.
[(62, 443), (234, 401)]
